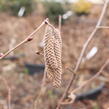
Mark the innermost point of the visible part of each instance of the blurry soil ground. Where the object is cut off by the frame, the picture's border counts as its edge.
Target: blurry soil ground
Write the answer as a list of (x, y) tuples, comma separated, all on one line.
[(75, 32)]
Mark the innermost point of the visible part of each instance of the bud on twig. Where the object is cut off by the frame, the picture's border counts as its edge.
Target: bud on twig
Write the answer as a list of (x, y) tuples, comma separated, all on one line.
[(29, 39), (1, 54)]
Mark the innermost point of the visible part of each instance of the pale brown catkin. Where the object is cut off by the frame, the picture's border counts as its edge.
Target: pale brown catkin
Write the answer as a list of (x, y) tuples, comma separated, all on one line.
[(52, 55)]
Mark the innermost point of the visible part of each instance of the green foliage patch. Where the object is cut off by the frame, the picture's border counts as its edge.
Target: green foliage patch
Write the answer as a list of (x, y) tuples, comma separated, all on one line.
[(53, 10), (14, 5)]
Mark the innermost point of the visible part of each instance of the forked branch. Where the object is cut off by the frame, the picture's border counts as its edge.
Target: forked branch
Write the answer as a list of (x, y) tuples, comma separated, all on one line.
[(73, 95), (93, 78)]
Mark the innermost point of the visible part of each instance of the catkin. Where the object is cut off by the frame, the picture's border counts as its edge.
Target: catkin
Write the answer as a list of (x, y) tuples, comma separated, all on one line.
[(52, 55)]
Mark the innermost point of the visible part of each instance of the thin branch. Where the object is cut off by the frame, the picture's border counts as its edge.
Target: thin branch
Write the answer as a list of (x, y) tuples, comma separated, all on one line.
[(91, 36), (60, 22), (91, 79), (9, 91), (29, 38), (86, 83), (82, 53)]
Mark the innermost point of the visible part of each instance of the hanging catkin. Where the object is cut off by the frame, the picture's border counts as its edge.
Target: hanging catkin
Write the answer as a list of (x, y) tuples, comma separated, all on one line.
[(52, 55)]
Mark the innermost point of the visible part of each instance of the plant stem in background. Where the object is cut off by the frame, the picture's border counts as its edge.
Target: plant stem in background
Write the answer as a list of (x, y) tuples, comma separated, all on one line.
[(60, 22)]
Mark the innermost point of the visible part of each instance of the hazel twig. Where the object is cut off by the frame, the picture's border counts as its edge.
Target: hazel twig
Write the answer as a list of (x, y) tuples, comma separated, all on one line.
[(29, 38), (82, 53), (87, 82), (91, 79)]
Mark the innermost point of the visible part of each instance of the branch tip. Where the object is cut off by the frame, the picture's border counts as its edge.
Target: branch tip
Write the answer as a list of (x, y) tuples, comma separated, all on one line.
[(46, 21)]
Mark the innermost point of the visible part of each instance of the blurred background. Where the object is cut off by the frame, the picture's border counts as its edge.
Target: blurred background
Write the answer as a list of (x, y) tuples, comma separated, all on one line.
[(23, 68)]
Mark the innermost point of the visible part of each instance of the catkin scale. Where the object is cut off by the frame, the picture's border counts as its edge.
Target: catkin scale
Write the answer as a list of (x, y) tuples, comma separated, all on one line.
[(57, 35), (52, 55)]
